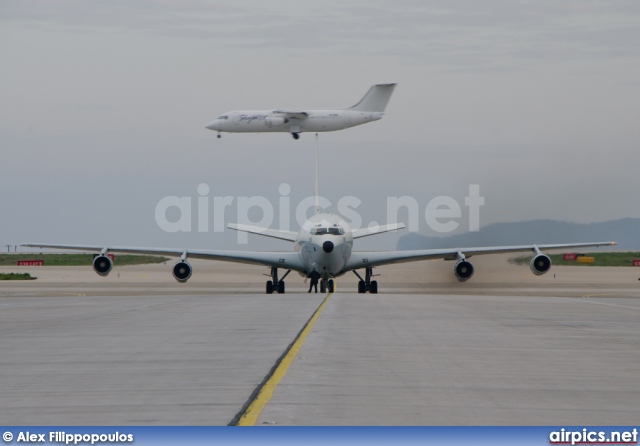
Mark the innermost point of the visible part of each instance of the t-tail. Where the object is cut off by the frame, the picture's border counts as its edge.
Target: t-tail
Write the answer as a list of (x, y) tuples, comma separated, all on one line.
[(376, 99)]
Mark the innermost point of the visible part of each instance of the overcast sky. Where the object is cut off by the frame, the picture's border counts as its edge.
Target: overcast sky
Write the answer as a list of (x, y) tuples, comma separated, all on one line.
[(104, 103)]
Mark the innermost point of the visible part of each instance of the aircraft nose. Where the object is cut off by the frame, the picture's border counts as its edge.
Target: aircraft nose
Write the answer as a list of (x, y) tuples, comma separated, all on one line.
[(327, 246), (213, 125)]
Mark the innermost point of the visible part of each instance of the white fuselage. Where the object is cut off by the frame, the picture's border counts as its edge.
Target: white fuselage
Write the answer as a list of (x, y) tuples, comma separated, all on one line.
[(271, 121), (325, 243)]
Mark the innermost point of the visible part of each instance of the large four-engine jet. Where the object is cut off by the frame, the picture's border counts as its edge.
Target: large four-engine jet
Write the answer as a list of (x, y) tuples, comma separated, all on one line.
[(322, 248), (295, 121)]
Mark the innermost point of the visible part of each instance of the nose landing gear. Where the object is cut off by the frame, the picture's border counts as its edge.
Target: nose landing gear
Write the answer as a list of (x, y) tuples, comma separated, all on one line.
[(327, 286)]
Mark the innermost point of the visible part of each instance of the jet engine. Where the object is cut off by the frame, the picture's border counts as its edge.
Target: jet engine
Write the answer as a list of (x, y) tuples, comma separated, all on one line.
[(540, 264), (274, 121), (182, 271), (463, 270), (102, 265)]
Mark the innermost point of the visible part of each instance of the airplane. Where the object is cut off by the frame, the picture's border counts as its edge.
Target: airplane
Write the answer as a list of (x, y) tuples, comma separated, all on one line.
[(370, 108), (322, 248)]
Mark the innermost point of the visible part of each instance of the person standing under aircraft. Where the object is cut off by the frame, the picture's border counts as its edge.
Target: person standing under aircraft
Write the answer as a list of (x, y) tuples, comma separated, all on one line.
[(314, 280)]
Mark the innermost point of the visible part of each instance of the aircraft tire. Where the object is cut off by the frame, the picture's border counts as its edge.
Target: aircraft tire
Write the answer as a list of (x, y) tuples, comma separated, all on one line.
[(269, 287), (362, 288), (374, 287), (281, 287)]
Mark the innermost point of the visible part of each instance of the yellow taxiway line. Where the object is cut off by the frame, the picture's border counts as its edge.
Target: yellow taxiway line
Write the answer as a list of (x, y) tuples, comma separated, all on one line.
[(251, 414)]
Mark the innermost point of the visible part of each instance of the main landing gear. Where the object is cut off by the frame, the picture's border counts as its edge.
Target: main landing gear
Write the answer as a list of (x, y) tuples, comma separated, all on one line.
[(367, 284), (295, 135), (275, 285)]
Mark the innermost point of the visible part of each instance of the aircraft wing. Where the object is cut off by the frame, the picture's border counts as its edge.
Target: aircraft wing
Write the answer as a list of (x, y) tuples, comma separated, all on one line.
[(367, 259), (289, 236), (285, 260), (300, 114), (365, 232)]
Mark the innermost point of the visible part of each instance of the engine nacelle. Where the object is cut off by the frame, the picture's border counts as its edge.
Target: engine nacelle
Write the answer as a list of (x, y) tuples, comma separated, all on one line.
[(182, 271), (463, 270), (274, 121), (102, 265), (540, 264)]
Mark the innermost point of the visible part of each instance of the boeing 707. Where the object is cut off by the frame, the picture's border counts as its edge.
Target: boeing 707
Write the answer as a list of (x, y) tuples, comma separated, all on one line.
[(323, 248)]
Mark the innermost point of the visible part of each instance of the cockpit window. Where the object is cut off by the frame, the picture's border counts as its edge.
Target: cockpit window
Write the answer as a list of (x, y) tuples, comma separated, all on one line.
[(330, 231), (223, 117)]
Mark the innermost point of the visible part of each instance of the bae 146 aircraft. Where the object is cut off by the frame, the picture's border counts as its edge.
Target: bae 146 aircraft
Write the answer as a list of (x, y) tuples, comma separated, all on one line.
[(370, 108), (322, 248)]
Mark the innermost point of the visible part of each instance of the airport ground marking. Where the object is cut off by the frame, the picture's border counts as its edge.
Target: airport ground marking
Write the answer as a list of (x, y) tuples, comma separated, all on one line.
[(609, 304), (622, 294), (249, 414)]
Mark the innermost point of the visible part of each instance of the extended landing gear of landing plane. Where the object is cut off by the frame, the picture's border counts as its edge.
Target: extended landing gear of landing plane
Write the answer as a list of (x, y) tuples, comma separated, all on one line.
[(275, 285), (295, 135), (219, 135), (367, 284)]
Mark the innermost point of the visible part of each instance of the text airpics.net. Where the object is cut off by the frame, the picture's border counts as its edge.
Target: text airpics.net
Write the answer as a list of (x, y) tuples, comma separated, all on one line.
[(592, 436), (441, 214)]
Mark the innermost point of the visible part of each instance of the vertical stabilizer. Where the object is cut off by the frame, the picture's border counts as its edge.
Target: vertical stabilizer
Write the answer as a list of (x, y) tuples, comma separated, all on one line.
[(376, 99), (317, 190)]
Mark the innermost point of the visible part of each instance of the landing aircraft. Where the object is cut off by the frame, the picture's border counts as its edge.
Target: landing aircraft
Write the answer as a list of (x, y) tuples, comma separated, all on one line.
[(323, 247), (370, 108)]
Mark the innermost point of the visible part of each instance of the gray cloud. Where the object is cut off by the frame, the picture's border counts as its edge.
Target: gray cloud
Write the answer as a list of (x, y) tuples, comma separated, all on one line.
[(456, 33), (104, 107)]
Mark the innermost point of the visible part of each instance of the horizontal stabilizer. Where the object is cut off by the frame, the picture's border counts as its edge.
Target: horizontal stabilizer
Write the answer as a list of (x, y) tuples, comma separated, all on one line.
[(289, 236), (365, 232)]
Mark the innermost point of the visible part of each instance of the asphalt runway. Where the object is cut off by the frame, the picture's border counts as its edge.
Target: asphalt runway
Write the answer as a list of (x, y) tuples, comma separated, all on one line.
[(505, 348)]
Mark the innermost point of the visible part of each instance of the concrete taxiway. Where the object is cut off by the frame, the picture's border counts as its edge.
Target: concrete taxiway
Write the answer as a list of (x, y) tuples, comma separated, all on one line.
[(136, 348)]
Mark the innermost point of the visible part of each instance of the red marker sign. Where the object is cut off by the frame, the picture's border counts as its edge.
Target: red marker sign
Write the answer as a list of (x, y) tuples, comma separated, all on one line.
[(570, 257), (636, 263), (30, 262)]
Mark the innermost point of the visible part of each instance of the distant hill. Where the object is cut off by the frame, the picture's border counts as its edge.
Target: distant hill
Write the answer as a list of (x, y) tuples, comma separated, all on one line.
[(625, 231)]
